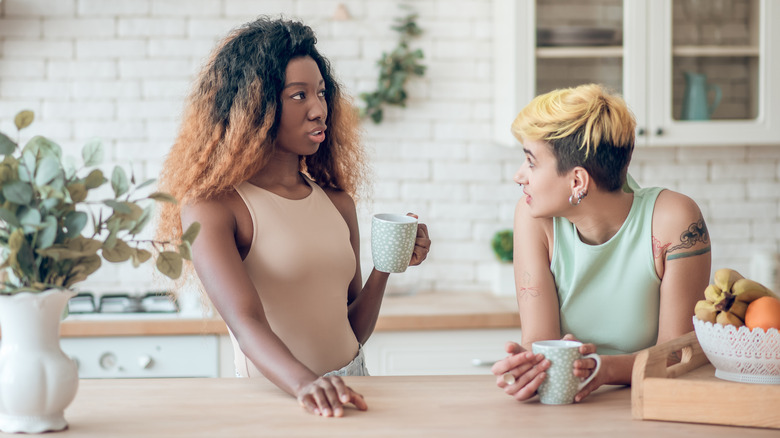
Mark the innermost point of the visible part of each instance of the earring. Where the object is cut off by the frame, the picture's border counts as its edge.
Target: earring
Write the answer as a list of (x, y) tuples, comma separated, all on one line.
[(579, 199)]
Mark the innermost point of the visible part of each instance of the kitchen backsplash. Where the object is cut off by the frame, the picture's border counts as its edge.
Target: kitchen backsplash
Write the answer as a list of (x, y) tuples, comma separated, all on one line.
[(119, 70)]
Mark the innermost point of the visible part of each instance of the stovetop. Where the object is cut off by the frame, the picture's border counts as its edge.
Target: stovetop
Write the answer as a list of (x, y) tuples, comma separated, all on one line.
[(113, 304)]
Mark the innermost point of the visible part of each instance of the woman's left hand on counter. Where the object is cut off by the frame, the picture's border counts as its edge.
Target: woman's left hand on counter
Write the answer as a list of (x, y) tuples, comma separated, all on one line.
[(422, 243)]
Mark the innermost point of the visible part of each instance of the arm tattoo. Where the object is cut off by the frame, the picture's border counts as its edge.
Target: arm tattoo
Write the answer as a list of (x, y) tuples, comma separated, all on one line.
[(525, 290), (696, 233), (659, 249)]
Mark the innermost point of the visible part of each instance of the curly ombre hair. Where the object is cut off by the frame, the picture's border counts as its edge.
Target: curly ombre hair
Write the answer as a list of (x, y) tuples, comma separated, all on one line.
[(585, 126), (232, 116)]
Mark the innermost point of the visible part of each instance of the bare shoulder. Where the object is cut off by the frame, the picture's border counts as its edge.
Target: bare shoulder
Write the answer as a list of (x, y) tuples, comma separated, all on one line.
[(221, 211), (343, 203), (678, 222)]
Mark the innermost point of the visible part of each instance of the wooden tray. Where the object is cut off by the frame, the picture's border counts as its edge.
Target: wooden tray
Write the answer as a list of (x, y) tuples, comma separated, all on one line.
[(688, 391)]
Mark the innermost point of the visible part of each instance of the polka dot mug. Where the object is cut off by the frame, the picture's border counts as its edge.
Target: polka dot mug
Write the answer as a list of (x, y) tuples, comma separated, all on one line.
[(561, 385), (392, 241)]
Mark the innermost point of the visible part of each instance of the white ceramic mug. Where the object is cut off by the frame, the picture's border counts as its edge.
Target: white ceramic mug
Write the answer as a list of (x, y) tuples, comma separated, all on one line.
[(561, 385), (392, 241)]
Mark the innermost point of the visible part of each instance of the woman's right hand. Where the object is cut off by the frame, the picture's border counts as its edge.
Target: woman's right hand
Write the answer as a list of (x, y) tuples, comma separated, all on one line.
[(527, 369), (327, 395)]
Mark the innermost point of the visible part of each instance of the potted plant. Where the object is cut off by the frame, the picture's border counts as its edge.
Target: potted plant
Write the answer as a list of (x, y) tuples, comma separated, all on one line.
[(503, 276), (52, 237)]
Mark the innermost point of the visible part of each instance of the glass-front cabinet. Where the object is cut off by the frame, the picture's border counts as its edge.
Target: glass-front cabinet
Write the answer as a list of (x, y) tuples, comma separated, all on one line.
[(694, 72)]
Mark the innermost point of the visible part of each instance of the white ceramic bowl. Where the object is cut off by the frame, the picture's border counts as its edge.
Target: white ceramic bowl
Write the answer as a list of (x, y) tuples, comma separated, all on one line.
[(740, 354)]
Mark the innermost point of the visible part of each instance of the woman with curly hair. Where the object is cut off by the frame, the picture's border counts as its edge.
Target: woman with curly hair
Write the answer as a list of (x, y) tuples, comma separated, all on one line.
[(268, 161)]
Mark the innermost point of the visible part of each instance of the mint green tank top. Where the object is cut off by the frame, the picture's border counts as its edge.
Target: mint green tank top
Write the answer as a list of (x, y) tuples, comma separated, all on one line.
[(609, 294)]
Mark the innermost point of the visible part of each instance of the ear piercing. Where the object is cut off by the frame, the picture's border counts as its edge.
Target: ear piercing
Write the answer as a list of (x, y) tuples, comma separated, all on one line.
[(580, 195)]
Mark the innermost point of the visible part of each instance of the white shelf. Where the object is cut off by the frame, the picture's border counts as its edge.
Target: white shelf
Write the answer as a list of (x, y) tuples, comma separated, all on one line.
[(579, 52)]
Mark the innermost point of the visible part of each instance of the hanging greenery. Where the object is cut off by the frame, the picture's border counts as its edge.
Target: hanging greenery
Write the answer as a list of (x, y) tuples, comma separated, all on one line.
[(395, 68)]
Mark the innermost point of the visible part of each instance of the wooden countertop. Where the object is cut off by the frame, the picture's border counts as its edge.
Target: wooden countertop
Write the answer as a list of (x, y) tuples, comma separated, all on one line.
[(423, 311), (411, 406)]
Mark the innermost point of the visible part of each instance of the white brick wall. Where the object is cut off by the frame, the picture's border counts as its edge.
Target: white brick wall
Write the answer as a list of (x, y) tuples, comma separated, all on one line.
[(120, 69)]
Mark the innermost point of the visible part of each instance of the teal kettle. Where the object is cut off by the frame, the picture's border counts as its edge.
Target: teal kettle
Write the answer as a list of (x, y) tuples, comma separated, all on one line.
[(696, 104)]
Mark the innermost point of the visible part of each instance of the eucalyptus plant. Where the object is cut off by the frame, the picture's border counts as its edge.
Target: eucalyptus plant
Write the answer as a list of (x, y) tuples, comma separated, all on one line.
[(395, 68), (52, 236)]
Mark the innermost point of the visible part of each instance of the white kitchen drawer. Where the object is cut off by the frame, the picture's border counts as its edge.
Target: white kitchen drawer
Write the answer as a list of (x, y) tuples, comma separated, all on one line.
[(433, 352), (144, 356)]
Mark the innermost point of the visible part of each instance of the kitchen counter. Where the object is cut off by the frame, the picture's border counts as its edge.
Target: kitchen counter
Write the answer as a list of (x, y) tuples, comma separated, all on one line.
[(423, 311), (412, 406)]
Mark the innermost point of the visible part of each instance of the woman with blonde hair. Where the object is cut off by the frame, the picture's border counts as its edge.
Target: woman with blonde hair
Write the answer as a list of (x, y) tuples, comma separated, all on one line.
[(268, 161), (596, 258)]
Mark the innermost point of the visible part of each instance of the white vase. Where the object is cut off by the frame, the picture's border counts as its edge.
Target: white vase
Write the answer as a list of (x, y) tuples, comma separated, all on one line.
[(37, 380)]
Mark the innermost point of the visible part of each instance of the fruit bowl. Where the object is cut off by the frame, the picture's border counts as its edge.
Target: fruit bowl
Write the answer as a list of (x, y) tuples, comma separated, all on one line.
[(740, 354)]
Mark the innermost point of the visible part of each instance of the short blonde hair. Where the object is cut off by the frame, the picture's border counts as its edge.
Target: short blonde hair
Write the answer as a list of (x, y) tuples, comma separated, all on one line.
[(586, 126)]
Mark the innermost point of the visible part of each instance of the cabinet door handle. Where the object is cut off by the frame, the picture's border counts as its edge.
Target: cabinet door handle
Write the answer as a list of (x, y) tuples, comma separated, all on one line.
[(659, 132), (641, 132)]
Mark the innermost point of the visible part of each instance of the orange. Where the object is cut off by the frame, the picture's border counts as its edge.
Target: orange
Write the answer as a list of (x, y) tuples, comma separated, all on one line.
[(764, 313)]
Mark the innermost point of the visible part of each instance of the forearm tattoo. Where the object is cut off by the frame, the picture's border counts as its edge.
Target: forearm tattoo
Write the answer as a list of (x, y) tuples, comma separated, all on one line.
[(695, 234), (525, 290)]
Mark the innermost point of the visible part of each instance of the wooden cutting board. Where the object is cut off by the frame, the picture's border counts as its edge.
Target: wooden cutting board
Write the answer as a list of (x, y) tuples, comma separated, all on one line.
[(689, 391)]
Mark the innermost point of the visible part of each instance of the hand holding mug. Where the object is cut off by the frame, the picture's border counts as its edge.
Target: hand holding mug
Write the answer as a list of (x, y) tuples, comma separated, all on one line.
[(398, 241), (561, 384)]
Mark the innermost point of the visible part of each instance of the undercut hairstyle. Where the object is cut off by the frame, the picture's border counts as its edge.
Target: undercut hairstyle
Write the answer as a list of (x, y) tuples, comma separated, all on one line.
[(586, 126), (232, 115)]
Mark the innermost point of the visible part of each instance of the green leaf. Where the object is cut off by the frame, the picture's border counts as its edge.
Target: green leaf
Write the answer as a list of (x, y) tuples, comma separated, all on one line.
[(50, 203), (27, 166), (119, 181), (23, 119), (170, 264), (48, 169), (41, 146), (113, 225), (30, 218), (145, 183), (18, 192), (75, 221), (7, 146), (78, 192), (25, 260), (119, 253), (185, 250), (142, 221), (191, 233), (92, 153), (140, 256), (163, 197), (84, 245), (9, 217), (118, 207), (59, 253), (94, 180), (48, 233), (69, 167)]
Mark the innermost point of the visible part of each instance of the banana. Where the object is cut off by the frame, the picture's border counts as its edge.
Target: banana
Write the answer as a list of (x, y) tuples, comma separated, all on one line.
[(739, 308), (726, 318), (747, 291), (705, 311), (725, 278), (713, 294)]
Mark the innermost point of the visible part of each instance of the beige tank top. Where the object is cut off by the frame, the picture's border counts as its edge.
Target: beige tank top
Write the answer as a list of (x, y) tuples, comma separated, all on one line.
[(301, 262)]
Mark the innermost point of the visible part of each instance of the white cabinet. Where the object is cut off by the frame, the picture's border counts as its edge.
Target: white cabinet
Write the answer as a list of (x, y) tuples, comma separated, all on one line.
[(734, 43), (432, 352)]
